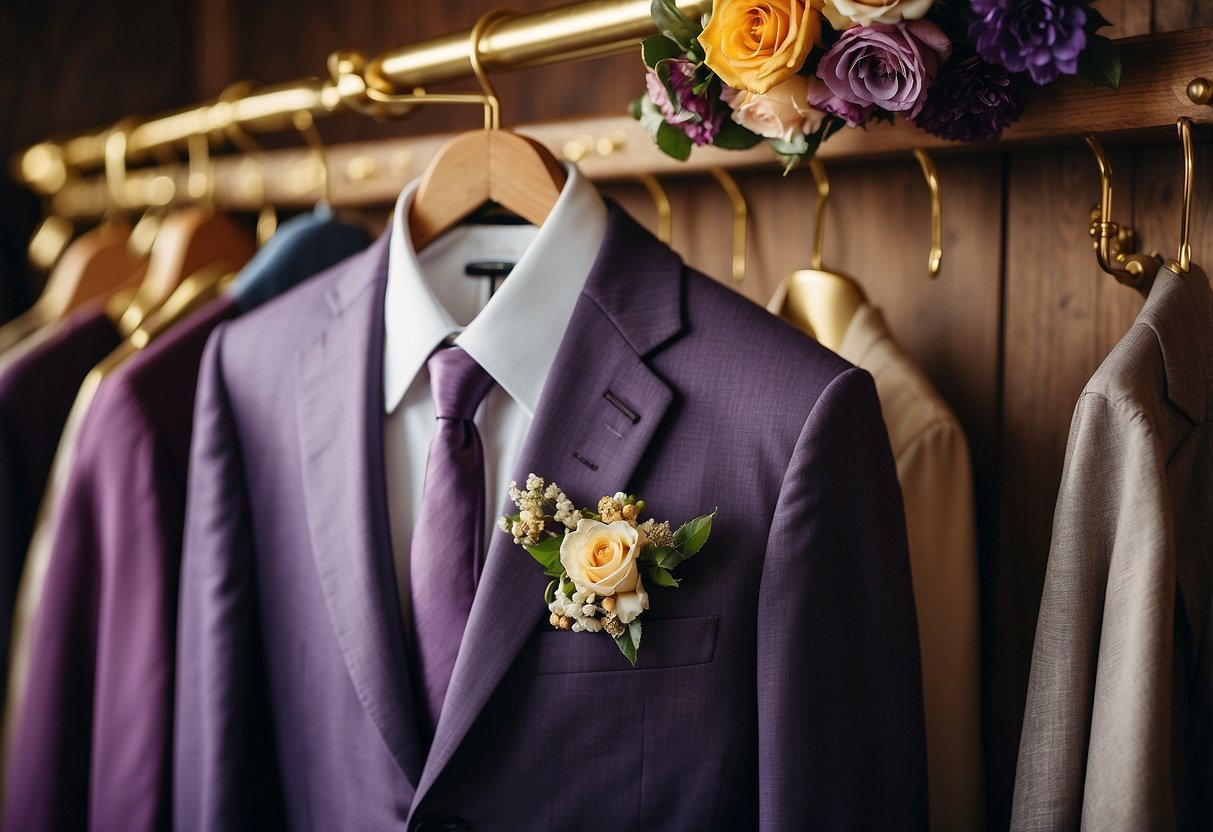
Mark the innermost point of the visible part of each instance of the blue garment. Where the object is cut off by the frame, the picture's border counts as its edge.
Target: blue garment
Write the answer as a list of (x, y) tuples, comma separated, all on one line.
[(303, 246)]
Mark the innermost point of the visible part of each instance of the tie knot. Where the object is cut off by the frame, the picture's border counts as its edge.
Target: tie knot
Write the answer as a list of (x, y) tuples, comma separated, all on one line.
[(458, 383)]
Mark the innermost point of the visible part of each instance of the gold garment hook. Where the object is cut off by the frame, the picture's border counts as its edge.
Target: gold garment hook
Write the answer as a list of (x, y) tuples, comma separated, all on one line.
[(1114, 245), (661, 201), (267, 215), (1200, 91), (200, 185), (1184, 263), (741, 218), (306, 125), (115, 163), (492, 104), (935, 259), (822, 181)]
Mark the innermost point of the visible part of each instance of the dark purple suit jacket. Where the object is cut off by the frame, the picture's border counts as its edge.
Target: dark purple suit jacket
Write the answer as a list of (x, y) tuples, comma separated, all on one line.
[(92, 748), (36, 395), (777, 689)]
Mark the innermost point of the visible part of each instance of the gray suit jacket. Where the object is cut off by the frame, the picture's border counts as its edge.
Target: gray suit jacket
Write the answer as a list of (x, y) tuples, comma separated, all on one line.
[(1117, 732)]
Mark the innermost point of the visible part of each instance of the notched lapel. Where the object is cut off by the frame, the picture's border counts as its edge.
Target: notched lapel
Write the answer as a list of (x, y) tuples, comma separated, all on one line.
[(600, 408), (340, 429)]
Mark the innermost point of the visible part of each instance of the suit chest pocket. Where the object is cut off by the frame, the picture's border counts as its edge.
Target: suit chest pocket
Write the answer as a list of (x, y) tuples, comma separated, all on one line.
[(665, 643)]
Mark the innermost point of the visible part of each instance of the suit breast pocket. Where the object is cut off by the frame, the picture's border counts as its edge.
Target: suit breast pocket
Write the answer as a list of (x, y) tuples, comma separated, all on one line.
[(664, 642)]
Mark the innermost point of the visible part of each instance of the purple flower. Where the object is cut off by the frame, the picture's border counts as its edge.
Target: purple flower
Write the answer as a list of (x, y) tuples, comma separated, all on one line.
[(973, 102), (1042, 37), (887, 66), (692, 114), (822, 99)]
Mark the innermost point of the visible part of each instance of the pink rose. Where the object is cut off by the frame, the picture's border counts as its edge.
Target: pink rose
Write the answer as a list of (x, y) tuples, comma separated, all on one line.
[(783, 112), (889, 66)]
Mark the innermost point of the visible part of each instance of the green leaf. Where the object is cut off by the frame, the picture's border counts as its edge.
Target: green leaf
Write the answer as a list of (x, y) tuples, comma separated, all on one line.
[(547, 552), (672, 23), (665, 557), (1095, 20), (798, 146), (658, 48), (629, 642), (691, 536), (662, 577), (732, 136), (674, 142), (1099, 64), (636, 108), (549, 594)]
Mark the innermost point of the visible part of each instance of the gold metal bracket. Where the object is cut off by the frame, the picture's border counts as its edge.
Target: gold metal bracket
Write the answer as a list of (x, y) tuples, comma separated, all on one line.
[(1183, 263), (1200, 91), (1115, 245), (741, 219), (929, 172), (661, 203)]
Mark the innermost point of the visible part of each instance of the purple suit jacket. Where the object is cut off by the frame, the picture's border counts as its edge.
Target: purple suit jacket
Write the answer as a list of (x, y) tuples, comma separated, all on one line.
[(92, 748), (777, 689), (36, 395)]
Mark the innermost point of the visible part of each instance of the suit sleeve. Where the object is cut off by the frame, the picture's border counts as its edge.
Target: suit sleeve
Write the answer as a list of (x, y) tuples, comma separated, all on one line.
[(839, 685), (1095, 749), (218, 775)]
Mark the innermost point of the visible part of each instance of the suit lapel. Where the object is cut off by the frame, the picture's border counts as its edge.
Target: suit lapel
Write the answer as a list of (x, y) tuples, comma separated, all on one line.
[(600, 408), (341, 435)]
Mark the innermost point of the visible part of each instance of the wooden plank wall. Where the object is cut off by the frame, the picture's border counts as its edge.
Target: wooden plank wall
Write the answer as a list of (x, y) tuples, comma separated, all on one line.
[(1010, 332)]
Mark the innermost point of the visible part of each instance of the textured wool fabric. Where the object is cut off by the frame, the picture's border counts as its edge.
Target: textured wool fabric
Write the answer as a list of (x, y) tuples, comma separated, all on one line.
[(1118, 730), (36, 393), (778, 688)]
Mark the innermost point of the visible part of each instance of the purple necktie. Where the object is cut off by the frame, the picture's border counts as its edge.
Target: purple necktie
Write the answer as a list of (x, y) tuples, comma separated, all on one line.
[(448, 534)]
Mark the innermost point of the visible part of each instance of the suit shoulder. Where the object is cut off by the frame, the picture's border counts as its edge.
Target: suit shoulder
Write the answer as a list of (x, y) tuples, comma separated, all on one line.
[(745, 333), (1133, 376)]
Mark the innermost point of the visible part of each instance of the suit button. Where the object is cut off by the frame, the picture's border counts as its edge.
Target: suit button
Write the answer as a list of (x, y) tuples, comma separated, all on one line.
[(434, 823)]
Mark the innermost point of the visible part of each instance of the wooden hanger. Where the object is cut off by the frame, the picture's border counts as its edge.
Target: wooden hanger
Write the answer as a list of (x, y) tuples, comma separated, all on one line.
[(490, 165), (92, 267), (819, 301)]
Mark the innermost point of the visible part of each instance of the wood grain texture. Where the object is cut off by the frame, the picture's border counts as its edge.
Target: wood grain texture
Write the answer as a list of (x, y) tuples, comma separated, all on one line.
[(1128, 17), (1170, 15)]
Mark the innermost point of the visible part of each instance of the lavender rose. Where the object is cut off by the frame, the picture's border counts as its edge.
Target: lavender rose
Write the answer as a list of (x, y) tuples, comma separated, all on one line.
[(821, 98), (888, 66), (692, 114), (1042, 37)]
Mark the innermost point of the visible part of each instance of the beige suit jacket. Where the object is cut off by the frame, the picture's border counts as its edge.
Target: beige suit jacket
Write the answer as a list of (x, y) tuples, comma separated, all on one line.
[(936, 480), (1118, 731)]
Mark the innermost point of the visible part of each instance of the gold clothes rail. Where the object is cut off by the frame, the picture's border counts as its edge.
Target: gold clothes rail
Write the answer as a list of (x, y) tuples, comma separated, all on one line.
[(573, 32)]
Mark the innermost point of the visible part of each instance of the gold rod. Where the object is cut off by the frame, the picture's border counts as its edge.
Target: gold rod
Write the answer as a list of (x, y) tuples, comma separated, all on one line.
[(586, 29)]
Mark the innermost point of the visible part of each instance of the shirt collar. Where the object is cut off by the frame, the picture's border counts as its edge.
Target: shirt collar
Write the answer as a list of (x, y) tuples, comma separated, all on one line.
[(866, 329), (516, 335)]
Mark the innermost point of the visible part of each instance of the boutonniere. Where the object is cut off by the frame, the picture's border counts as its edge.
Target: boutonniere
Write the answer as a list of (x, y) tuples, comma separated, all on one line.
[(599, 560)]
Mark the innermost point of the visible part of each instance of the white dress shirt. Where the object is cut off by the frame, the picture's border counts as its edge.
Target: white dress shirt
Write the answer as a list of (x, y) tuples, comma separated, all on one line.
[(514, 336)]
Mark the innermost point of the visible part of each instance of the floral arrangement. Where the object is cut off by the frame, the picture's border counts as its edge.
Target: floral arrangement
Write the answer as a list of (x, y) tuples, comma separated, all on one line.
[(794, 72), (595, 558)]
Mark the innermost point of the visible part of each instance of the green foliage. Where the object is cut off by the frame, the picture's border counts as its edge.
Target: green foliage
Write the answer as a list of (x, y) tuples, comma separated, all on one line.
[(674, 142), (1099, 64), (691, 536), (732, 136), (547, 552), (658, 48), (662, 577), (673, 23), (629, 642)]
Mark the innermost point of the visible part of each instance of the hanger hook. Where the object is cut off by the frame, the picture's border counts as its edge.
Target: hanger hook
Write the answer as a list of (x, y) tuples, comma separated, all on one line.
[(1114, 245), (200, 184), (492, 104), (267, 215), (822, 180), (741, 217), (115, 163), (306, 127), (661, 201), (1184, 263), (931, 174)]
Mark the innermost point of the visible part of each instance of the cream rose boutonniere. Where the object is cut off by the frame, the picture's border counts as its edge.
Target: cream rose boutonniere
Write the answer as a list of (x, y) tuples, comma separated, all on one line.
[(598, 559)]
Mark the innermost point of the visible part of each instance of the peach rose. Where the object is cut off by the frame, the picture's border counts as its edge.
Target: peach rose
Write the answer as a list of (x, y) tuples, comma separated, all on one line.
[(756, 44), (843, 14), (601, 557), (783, 113)]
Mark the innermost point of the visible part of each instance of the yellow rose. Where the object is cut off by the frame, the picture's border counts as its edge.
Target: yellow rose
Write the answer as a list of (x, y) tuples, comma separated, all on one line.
[(755, 44), (601, 557)]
